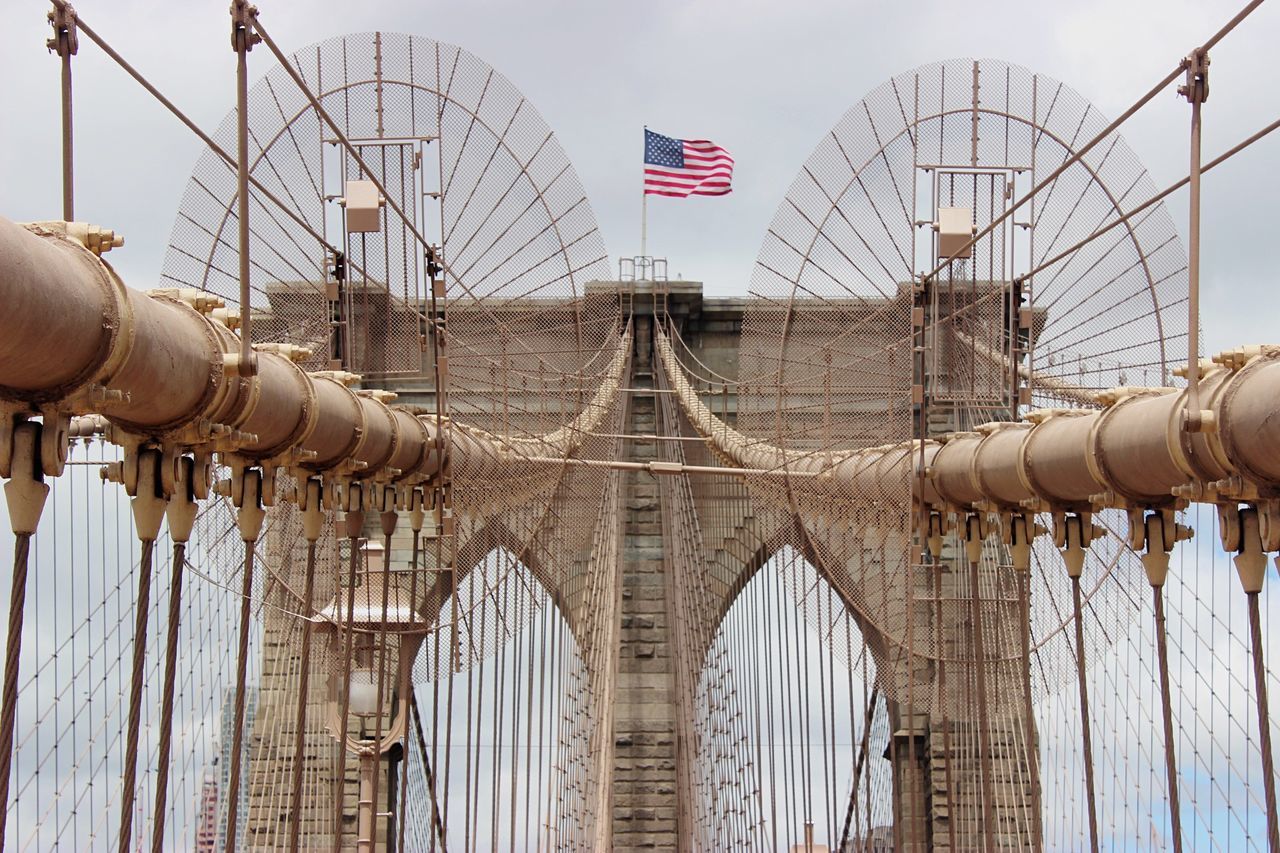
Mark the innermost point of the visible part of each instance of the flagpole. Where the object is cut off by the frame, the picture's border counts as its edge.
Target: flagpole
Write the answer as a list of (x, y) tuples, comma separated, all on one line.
[(644, 204), (644, 220)]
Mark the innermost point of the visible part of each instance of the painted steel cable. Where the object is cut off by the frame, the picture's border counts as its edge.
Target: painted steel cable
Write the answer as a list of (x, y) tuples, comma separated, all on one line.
[(165, 747), (238, 732), (1264, 721), (1086, 734), (304, 698), (13, 652), (129, 775)]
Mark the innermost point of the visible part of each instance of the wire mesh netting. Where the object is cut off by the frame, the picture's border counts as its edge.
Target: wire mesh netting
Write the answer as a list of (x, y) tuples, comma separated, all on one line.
[(861, 332), (474, 305), (439, 662)]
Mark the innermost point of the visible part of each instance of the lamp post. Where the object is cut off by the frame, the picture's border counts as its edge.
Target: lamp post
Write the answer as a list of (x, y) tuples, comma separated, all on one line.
[(386, 632)]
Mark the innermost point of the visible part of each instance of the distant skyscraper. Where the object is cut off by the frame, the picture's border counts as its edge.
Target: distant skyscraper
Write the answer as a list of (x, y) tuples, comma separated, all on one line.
[(224, 775), (210, 794)]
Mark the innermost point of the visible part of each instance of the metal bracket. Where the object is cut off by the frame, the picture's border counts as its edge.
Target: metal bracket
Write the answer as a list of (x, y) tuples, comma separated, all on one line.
[(1196, 87), (243, 35), (65, 38)]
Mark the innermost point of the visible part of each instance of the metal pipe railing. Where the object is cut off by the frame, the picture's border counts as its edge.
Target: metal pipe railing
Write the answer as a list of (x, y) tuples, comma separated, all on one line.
[(1132, 452), (164, 366)]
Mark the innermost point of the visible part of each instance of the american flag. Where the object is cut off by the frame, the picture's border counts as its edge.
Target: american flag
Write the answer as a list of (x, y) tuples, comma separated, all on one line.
[(684, 167)]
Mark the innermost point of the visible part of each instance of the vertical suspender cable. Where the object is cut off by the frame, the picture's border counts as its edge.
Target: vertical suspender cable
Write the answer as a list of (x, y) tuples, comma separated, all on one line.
[(940, 652), (388, 520), (242, 39), (148, 513), (312, 523), (984, 730), (354, 523), (416, 519), (1196, 90), (129, 775), (437, 825), (1251, 564), (68, 174), (1159, 543), (181, 515), (249, 518), (237, 737), (1028, 710), (13, 654), (166, 699), (1264, 723), (1086, 737), (1166, 707), (304, 689), (974, 538), (1076, 534), (25, 495)]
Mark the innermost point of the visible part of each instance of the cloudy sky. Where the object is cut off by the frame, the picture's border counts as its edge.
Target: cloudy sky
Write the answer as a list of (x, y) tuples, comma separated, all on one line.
[(766, 80)]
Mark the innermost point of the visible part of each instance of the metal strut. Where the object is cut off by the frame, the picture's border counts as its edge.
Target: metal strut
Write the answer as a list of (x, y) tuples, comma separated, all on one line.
[(66, 44), (243, 38)]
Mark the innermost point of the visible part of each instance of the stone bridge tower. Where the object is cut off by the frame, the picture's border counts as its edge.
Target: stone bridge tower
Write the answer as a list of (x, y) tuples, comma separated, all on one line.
[(651, 777)]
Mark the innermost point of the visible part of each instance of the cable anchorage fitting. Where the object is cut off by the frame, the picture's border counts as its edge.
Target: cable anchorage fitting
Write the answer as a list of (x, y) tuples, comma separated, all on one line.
[(1196, 87), (65, 39), (243, 35)]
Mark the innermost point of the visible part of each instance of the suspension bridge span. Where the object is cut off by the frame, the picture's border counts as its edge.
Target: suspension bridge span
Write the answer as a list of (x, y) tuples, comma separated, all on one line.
[(396, 518)]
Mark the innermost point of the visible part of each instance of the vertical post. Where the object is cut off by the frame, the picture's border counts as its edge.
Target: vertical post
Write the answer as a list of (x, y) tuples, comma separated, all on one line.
[(243, 38), (644, 223), (644, 199), (65, 44), (368, 767), (973, 157), (1196, 91)]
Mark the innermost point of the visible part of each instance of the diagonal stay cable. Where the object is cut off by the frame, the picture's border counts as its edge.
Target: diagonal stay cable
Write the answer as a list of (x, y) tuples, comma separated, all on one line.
[(343, 140), (231, 161), (195, 128), (1101, 135), (207, 139), (1154, 200), (355, 155)]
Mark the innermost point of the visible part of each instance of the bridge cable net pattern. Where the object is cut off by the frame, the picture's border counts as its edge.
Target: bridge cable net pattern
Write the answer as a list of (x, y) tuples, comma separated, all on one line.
[(965, 684), (535, 383), (843, 348)]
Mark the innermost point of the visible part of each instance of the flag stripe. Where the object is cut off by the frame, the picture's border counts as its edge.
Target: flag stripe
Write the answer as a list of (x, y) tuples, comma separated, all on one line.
[(686, 186), (687, 176), (684, 194)]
